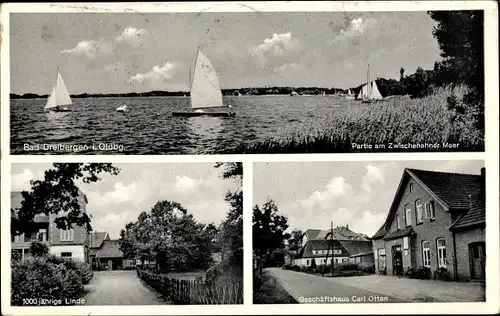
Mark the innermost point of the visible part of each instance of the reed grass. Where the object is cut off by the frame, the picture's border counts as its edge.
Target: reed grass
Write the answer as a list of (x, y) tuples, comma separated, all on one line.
[(399, 120)]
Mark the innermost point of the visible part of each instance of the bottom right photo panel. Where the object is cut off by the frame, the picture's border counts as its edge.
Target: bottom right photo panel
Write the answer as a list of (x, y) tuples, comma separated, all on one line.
[(369, 232)]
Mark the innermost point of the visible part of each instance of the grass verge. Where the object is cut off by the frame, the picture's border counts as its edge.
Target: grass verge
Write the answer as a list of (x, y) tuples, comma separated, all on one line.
[(267, 290)]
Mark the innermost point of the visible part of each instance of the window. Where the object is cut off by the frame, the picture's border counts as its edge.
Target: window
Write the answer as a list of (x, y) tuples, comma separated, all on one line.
[(430, 213), (19, 238), (398, 227), (331, 261), (344, 260), (66, 255), (42, 235), (27, 237), (420, 214), (408, 215), (307, 262), (426, 254), (411, 187), (66, 235), (441, 250)]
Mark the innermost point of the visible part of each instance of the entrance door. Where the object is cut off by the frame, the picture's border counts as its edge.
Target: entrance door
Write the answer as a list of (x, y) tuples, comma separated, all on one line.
[(397, 260), (477, 254)]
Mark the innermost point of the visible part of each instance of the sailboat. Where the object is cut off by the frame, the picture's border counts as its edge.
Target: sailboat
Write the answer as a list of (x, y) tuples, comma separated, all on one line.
[(369, 92), (350, 95), (205, 90), (59, 99), (122, 108)]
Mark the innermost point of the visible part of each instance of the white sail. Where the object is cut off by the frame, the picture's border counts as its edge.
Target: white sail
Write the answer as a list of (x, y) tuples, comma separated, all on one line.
[(205, 88), (349, 91), (364, 92), (59, 95), (374, 93)]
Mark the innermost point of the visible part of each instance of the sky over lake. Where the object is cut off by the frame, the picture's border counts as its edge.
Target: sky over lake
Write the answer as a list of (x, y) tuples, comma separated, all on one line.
[(119, 53)]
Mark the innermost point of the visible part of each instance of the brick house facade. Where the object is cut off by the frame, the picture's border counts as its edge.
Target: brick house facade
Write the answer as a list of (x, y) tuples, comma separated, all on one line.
[(73, 243), (436, 220)]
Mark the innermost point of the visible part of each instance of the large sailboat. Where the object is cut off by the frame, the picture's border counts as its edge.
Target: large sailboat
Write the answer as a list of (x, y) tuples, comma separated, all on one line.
[(205, 90), (59, 100), (369, 92), (350, 95)]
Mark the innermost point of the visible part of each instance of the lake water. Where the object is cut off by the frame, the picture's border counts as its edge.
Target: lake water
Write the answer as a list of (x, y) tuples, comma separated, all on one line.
[(149, 128)]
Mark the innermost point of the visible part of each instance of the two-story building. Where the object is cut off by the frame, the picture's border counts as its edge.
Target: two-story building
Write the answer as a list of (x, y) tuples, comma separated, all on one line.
[(346, 246), (72, 243), (436, 220)]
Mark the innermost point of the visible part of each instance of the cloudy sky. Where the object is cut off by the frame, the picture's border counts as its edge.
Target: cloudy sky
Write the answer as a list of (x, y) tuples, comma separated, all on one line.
[(116, 200), (110, 53), (311, 194)]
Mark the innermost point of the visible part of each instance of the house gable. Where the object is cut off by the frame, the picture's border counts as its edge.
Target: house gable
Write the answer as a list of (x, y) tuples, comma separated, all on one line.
[(408, 180)]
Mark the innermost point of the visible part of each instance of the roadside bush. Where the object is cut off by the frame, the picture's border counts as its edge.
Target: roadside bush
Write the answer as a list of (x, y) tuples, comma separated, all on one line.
[(38, 249), (442, 274), (39, 278), (383, 271), (368, 269), (81, 268), (15, 255), (302, 268), (296, 268), (346, 266), (286, 267)]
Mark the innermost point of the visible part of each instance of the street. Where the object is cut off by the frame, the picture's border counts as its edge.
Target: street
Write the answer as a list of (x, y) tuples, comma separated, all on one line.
[(120, 288), (307, 288)]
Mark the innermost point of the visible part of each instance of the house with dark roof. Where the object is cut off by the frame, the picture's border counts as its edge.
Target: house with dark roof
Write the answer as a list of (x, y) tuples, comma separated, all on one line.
[(436, 220), (105, 253), (345, 246), (72, 243)]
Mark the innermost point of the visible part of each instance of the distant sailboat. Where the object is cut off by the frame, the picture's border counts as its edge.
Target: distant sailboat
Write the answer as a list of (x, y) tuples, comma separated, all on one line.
[(122, 108), (205, 90), (59, 99), (350, 95)]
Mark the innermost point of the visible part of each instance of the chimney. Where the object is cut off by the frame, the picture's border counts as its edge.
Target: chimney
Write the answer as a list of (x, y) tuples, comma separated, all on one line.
[(347, 226)]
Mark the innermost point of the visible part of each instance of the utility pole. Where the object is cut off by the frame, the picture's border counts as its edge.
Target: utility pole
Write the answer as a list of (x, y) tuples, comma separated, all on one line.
[(333, 248)]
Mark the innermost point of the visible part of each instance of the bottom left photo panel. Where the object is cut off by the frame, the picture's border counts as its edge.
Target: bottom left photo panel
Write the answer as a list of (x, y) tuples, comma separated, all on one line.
[(126, 234)]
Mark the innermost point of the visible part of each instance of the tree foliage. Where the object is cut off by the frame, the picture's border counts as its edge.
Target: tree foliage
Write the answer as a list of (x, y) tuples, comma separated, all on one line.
[(268, 228), (58, 192), (171, 236), (231, 229)]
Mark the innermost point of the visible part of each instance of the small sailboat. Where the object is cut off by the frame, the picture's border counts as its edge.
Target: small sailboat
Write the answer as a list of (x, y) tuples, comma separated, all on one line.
[(350, 95), (122, 108), (205, 90), (59, 100)]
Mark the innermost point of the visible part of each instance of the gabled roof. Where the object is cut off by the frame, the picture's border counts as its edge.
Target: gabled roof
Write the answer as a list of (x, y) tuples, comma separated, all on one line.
[(476, 216), (451, 190), (110, 249), (319, 244), (380, 233), (341, 233), (407, 231), (312, 233), (16, 199), (97, 238), (355, 247)]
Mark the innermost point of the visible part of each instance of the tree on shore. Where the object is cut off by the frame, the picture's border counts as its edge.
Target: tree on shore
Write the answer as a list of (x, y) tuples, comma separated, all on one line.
[(57, 192)]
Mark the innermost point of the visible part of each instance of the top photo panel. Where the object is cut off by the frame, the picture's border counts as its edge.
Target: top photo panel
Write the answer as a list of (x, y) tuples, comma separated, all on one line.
[(246, 82)]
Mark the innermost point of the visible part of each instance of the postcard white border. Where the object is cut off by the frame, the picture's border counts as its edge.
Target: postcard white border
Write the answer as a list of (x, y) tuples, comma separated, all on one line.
[(490, 157)]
